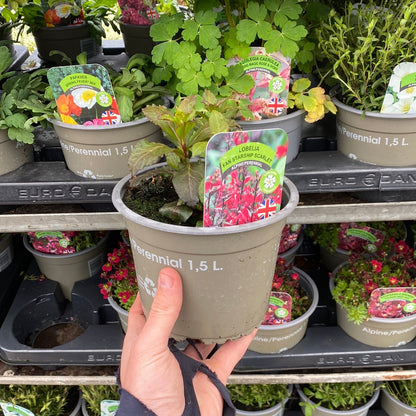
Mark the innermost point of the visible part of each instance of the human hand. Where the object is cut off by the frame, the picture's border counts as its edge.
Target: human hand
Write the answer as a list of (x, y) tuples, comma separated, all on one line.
[(149, 370)]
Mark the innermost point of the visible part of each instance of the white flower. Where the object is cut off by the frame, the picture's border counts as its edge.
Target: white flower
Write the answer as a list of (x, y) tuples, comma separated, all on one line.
[(63, 10), (84, 97)]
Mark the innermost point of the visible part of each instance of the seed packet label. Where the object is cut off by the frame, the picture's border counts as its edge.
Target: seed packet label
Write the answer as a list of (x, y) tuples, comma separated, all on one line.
[(109, 407), (84, 94), (392, 302), (244, 173), (400, 96), (279, 310), (357, 237), (62, 12), (271, 75), (10, 409)]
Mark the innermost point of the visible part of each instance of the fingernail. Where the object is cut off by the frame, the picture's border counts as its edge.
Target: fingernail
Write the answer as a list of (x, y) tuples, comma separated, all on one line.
[(165, 280)]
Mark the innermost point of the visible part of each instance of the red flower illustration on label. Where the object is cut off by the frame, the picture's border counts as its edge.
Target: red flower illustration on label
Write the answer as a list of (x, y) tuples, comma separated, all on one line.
[(266, 208)]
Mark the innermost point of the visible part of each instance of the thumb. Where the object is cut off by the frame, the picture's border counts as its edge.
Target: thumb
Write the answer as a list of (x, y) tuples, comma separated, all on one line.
[(165, 308)]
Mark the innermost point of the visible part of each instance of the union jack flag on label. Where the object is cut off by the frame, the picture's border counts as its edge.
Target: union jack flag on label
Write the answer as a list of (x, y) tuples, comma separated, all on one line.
[(266, 208)]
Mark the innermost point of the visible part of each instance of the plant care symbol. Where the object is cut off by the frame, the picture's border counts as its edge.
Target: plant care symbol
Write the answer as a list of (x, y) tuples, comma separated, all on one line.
[(148, 285), (266, 209)]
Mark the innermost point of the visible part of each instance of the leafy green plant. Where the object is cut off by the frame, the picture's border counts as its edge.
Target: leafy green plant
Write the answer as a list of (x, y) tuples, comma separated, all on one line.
[(93, 395), (362, 45), (403, 390), (41, 400), (97, 14), (337, 396), (257, 396), (188, 127)]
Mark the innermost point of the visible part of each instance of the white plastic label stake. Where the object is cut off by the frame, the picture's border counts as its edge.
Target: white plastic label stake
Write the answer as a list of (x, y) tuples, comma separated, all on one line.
[(109, 407), (10, 409)]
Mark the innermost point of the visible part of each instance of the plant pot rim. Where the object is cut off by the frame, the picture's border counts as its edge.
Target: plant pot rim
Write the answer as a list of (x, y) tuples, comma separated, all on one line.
[(29, 247), (396, 401), (307, 314), (105, 127), (372, 114), (120, 22), (117, 307), (371, 319), (61, 28), (293, 114), (117, 196)]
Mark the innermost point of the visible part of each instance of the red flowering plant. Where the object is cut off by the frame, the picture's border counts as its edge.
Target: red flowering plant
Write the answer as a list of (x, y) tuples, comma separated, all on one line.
[(120, 276), (357, 283), (290, 236), (63, 242), (144, 12), (286, 280)]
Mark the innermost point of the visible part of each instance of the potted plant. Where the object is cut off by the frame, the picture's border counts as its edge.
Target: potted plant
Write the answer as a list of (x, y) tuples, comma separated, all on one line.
[(194, 53), (259, 399), (323, 399), (100, 151), (290, 241), (374, 296), (9, 18), (24, 104), (362, 43), (338, 240), (398, 397), (293, 299), (100, 400), (71, 27), (135, 21), (207, 257), (40, 400), (120, 287), (67, 256)]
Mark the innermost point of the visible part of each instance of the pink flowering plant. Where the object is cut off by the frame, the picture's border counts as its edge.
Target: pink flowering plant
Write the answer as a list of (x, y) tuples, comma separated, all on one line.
[(289, 237), (120, 276), (63, 242), (286, 280), (365, 272), (144, 12)]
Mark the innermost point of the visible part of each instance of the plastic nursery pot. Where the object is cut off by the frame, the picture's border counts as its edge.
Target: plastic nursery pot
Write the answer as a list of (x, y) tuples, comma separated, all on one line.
[(77, 409), (276, 410), (376, 138), (394, 407), (71, 39), (102, 152), (67, 269), (123, 315), (323, 411), (331, 260), (136, 38), (272, 339), (6, 251), (226, 272), (13, 154), (376, 332), (291, 123)]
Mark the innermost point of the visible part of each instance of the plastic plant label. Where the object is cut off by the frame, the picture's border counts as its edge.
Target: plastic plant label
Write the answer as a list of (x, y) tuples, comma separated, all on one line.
[(392, 302), (244, 173), (279, 310), (109, 407), (271, 75), (358, 237), (400, 96), (84, 94), (62, 12), (10, 409)]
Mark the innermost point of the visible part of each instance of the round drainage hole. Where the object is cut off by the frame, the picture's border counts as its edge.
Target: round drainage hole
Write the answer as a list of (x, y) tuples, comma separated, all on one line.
[(57, 334)]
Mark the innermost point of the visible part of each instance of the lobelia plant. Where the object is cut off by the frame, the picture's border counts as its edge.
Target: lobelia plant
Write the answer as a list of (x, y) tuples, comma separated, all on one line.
[(363, 273), (188, 127), (120, 276), (337, 396), (257, 396)]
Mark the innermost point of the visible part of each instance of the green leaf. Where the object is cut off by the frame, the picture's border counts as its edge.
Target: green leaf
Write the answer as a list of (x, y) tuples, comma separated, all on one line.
[(186, 182), (16, 120), (166, 27), (256, 11), (246, 31), (173, 160), (177, 213), (198, 149), (145, 154), (238, 81), (20, 134), (301, 85)]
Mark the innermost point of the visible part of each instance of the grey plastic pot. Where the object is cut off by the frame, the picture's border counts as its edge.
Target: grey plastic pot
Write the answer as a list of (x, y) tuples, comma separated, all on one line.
[(332, 259), (70, 268), (6, 251), (102, 152), (123, 315), (226, 272), (77, 409), (291, 123), (85, 411), (323, 411), (276, 410), (394, 407), (272, 339), (136, 39), (376, 138), (13, 154), (376, 332), (71, 39)]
